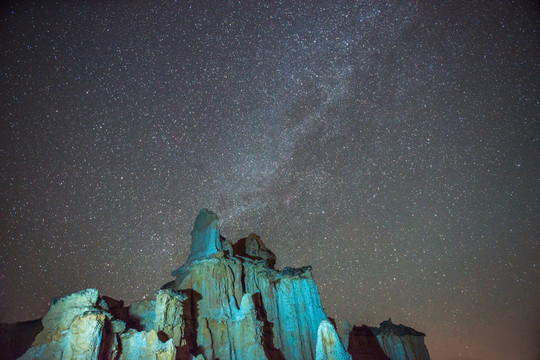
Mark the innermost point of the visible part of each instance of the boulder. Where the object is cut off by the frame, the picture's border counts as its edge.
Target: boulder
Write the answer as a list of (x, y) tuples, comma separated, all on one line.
[(85, 335), (253, 247)]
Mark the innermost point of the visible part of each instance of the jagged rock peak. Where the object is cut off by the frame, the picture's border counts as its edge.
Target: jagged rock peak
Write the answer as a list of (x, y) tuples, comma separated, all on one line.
[(388, 327), (83, 325), (253, 248), (400, 342), (205, 239)]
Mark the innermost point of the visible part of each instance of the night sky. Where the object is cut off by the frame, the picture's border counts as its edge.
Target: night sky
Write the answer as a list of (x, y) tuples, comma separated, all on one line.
[(393, 147)]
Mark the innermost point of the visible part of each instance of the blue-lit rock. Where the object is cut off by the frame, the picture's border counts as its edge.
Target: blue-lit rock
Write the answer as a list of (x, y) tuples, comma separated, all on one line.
[(169, 313), (298, 312), (247, 331), (205, 236), (145, 345), (329, 345), (73, 327), (401, 342), (143, 313), (83, 326), (226, 302), (287, 304)]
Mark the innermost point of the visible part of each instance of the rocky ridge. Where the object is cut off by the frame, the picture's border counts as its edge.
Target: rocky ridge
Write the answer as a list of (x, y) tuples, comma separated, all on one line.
[(226, 302)]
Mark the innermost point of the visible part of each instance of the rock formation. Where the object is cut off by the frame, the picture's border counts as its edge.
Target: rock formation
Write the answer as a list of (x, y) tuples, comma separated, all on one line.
[(226, 302), (362, 344), (205, 239), (286, 310), (73, 327), (329, 346), (401, 342)]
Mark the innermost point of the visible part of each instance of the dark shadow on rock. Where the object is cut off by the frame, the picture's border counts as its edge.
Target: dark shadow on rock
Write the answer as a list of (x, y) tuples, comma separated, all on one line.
[(107, 340), (162, 336), (363, 345), (16, 338), (116, 308), (121, 312), (240, 250), (119, 347), (169, 285), (267, 336), (191, 324)]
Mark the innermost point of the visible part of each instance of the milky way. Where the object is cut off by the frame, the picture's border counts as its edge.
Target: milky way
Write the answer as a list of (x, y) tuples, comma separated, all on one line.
[(392, 147)]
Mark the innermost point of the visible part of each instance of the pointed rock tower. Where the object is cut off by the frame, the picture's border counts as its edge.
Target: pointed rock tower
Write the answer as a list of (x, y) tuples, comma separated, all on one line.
[(240, 306), (205, 236)]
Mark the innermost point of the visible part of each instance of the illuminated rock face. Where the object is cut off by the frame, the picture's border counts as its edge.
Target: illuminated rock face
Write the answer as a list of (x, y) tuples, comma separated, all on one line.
[(73, 328), (145, 345), (205, 239), (286, 308), (329, 346), (400, 342), (226, 302)]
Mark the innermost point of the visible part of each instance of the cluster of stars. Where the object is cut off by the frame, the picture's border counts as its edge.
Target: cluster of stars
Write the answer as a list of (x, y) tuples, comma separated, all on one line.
[(393, 147)]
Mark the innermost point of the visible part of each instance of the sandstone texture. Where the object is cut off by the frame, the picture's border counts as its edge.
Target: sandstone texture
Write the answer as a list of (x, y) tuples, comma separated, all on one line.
[(226, 302)]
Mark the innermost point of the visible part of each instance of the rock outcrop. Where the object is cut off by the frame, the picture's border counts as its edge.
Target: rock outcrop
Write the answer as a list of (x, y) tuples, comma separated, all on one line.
[(73, 327), (362, 344), (401, 342), (205, 239), (226, 302), (253, 248), (145, 345), (329, 346)]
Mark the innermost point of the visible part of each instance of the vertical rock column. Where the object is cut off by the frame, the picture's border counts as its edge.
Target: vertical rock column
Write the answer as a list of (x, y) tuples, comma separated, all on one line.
[(205, 236)]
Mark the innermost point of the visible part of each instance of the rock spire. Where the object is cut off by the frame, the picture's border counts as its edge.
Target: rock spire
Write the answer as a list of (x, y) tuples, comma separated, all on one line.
[(226, 302)]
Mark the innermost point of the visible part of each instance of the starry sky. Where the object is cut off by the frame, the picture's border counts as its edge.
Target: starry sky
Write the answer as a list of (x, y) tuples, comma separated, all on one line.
[(394, 147)]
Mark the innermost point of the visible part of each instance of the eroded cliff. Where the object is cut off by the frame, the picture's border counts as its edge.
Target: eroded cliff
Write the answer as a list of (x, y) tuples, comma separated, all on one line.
[(226, 302)]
